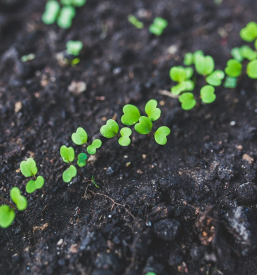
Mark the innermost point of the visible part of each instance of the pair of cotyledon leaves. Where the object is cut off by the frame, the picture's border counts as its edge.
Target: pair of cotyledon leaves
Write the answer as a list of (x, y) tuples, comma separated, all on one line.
[(182, 76), (74, 47), (7, 214), (68, 155), (249, 33), (234, 68), (158, 26), (29, 169)]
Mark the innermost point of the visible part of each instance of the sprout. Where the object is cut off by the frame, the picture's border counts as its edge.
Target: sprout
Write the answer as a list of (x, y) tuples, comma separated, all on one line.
[(91, 149), (204, 65), (215, 78), (230, 82), (67, 154), (182, 76), (152, 112), (249, 33), (33, 185), (252, 69), (82, 157), (111, 129), (158, 26), (161, 134), (125, 133), (7, 216), (28, 167), (233, 68), (51, 12), (28, 57), (75, 3), (248, 53), (74, 47), (93, 180), (191, 57), (133, 20), (188, 101), (80, 137), (69, 173), (236, 53), (144, 126), (18, 199), (207, 94), (131, 115), (64, 20)]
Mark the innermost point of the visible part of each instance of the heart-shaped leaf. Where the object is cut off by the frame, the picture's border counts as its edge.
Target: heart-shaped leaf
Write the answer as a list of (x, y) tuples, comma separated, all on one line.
[(189, 59), (188, 101), (110, 129), (207, 94), (74, 47), (252, 69), (152, 112), (233, 68), (80, 137), (158, 26), (51, 12), (18, 199), (28, 167), (215, 78), (33, 185), (178, 74), (82, 157), (91, 149), (236, 53), (249, 33), (66, 15), (7, 216), (69, 173), (161, 134), (230, 82), (204, 65), (187, 85), (247, 52), (144, 126), (67, 154), (125, 134), (131, 115)]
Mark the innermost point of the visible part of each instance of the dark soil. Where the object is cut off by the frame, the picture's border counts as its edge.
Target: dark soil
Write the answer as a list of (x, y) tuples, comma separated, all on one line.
[(194, 200)]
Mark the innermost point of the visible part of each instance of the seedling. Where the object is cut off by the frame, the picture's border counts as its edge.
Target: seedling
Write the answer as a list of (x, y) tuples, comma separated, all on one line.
[(234, 68), (28, 57), (51, 12), (7, 216), (29, 169), (131, 115), (69, 173), (133, 20), (152, 111), (252, 69), (215, 78), (80, 137), (158, 26), (68, 155), (161, 134), (144, 126), (188, 101), (91, 149), (93, 180), (64, 20), (82, 157), (74, 47), (248, 53), (191, 57), (204, 65), (125, 133), (75, 3), (249, 33), (110, 130), (19, 200), (182, 76), (236, 53), (207, 94), (230, 82)]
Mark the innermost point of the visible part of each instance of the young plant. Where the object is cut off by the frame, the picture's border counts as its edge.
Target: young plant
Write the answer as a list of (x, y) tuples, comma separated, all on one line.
[(208, 94), (249, 33), (234, 68), (182, 76), (133, 20), (158, 26), (66, 16), (188, 101), (252, 69), (74, 47), (28, 57), (29, 169), (52, 9)]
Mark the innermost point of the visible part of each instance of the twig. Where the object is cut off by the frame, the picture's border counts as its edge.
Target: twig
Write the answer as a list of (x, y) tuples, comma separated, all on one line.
[(167, 93), (6, 201)]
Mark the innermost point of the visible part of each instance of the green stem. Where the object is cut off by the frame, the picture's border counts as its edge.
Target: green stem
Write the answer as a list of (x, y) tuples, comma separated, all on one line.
[(6, 201)]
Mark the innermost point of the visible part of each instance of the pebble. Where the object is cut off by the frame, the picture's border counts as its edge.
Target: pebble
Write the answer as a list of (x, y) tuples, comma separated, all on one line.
[(167, 229), (247, 193), (109, 171)]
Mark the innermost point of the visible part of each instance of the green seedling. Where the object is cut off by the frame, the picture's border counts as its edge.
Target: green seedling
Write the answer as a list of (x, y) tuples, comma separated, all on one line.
[(93, 180), (19, 200), (161, 134), (131, 115), (188, 101), (64, 20), (144, 126), (74, 47), (125, 133), (249, 33), (75, 3), (151, 110), (248, 53), (51, 12), (204, 65), (29, 169), (133, 20), (234, 68), (182, 76), (7, 216), (91, 149), (67, 154), (82, 157), (80, 137), (69, 173), (191, 57), (215, 78), (236, 54), (110, 130), (158, 26), (208, 94), (252, 69), (230, 82), (28, 57)]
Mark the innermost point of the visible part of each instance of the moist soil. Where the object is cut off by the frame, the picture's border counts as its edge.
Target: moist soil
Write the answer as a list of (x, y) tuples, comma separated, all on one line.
[(188, 207)]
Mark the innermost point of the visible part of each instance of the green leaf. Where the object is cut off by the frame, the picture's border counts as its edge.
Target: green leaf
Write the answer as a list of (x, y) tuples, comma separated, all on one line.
[(110, 129), (215, 78), (233, 68), (252, 69), (7, 216), (51, 12), (161, 134), (82, 157), (152, 112), (91, 149), (230, 82), (28, 167), (80, 137), (207, 94), (93, 180), (178, 74), (189, 72), (236, 53), (249, 33), (188, 101), (125, 133), (133, 20), (158, 26), (74, 47), (33, 185), (144, 126), (255, 44), (67, 154), (64, 20), (18, 199), (69, 173), (248, 53), (189, 59), (177, 89), (131, 115), (79, 3), (204, 65), (189, 85)]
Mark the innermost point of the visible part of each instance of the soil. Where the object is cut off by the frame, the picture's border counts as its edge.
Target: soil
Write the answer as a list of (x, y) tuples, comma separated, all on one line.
[(185, 208)]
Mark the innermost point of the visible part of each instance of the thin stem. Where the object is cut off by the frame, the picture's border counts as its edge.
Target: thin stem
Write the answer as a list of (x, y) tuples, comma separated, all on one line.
[(43, 190), (6, 201)]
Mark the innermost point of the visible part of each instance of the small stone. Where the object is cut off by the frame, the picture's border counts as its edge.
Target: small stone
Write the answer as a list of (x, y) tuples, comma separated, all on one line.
[(60, 242), (109, 171), (248, 158), (77, 87), (18, 106), (167, 229), (74, 248), (196, 253), (247, 193)]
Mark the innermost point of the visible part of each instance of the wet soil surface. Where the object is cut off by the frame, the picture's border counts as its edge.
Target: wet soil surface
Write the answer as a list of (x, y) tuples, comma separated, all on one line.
[(193, 201)]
